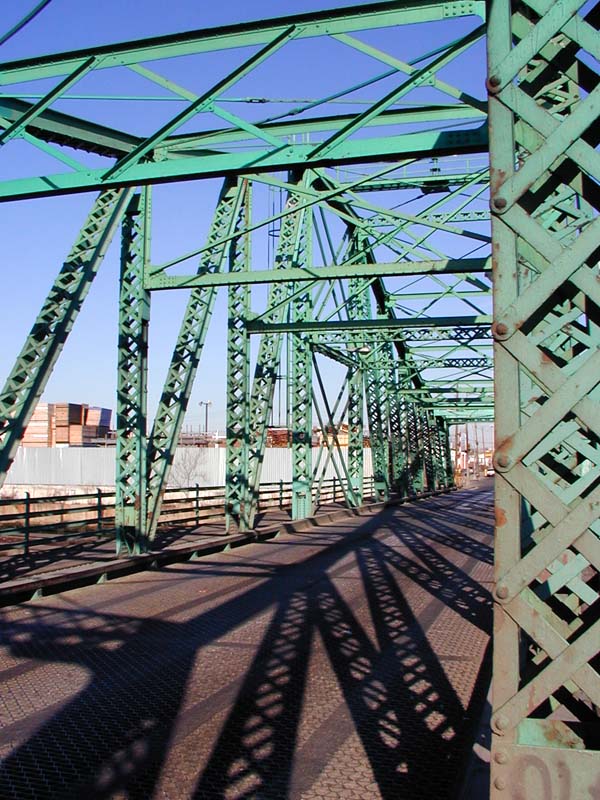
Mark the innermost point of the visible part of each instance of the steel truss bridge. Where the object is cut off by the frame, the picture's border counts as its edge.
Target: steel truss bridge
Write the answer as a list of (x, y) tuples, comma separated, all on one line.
[(371, 236)]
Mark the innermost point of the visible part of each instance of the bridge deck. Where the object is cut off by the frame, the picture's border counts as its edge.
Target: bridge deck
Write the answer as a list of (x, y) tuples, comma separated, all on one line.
[(345, 662)]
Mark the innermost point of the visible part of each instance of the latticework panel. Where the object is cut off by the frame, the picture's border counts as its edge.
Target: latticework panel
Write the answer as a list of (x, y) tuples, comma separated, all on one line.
[(544, 172), (132, 376), (238, 377)]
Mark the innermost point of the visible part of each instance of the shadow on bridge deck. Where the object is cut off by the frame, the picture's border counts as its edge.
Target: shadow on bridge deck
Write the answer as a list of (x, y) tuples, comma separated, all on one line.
[(348, 662)]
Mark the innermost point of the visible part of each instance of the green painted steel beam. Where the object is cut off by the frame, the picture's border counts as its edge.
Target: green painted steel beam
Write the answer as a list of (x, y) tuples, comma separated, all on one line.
[(456, 363), (365, 325), (202, 103), (81, 134), (301, 388), (543, 106), (355, 383), (290, 251), (30, 114), (131, 479), (238, 378), (425, 114), (65, 129), (293, 156), (337, 271), (320, 23), (419, 77)]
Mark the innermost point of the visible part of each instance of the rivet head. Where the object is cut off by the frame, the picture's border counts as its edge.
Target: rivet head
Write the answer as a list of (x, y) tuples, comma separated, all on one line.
[(500, 723), (500, 783), (501, 328), (500, 203), (501, 757), (493, 84), (502, 592), (503, 460)]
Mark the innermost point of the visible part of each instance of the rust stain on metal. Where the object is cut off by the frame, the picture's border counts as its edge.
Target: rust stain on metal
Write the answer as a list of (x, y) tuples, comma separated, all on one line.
[(497, 178), (558, 733), (532, 703), (500, 517)]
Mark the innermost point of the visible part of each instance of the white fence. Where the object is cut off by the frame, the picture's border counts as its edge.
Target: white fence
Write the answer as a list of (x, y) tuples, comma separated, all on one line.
[(95, 466)]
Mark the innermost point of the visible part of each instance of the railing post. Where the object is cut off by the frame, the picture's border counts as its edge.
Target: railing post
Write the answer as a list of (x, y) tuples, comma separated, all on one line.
[(99, 510), (334, 487), (281, 495), (197, 504), (27, 523)]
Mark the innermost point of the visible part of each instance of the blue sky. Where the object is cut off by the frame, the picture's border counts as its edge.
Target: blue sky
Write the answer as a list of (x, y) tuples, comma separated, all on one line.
[(37, 234)]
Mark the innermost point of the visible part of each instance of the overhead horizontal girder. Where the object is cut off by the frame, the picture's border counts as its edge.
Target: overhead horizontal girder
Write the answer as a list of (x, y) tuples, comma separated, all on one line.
[(339, 271), (293, 156), (471, 325), (257, 146), (319, 23)]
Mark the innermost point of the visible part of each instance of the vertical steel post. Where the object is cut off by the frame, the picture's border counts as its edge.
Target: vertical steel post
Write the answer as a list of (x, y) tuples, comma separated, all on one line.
[(375, 390), (99, 510), (134, 317), (238, 380), (290, 248), (396, 445), (429, 456), (415, 451), (302, 398), (447, 471), (356, 433), (543, 108)]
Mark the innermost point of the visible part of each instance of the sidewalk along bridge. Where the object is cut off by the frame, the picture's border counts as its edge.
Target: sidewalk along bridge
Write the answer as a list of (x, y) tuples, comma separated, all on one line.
[(350, 659), (383, 254)]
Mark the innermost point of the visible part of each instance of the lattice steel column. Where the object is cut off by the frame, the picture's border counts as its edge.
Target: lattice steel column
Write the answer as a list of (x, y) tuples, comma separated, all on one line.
[(447, 469), (238, 380), (429, 443), (302, 398), (134, 316), (356, 432), (375, 391), (415, 452), (359, 309), (546, 235), (45, 342), (396, 444), (292, 240), (186, 355)]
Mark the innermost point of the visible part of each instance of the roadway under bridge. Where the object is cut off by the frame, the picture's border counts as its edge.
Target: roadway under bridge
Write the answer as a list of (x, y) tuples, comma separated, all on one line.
[(399, 244)]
